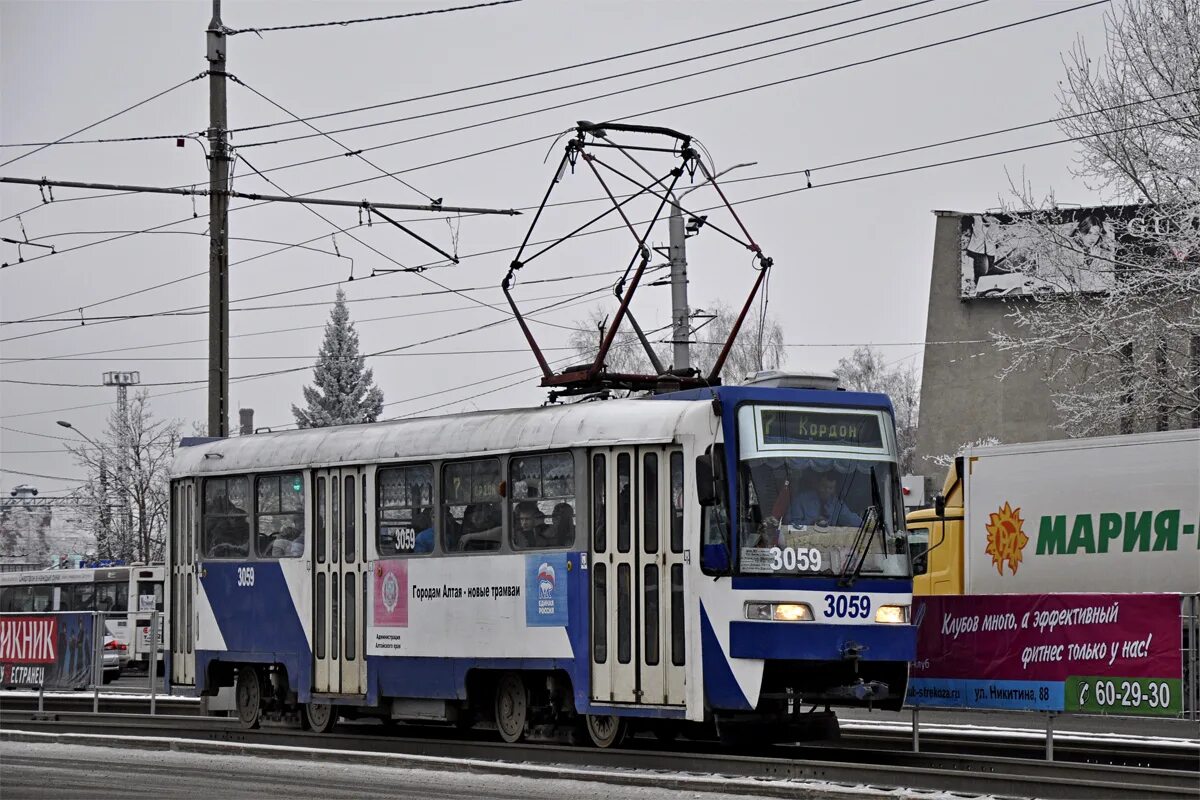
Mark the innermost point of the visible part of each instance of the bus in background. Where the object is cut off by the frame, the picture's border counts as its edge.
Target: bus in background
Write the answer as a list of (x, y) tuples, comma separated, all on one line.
[(126, 594), (1106, 514)]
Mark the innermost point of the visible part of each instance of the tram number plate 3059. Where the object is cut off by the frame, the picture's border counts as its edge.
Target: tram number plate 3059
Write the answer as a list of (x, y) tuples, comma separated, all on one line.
[(854, 606)]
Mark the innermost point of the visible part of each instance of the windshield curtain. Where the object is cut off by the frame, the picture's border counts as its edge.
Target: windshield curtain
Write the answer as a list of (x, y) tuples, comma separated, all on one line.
[(804, 515)]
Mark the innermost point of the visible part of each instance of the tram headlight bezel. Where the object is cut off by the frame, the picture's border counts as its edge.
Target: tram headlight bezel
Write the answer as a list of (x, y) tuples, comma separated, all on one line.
[(779, 612), (892, 615)]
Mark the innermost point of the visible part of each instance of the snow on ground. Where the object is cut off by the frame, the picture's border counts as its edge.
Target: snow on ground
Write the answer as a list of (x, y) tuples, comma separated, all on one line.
[(293, 770)]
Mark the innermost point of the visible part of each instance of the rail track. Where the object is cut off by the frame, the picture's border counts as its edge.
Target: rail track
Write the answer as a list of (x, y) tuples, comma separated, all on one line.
[(1145, 752), (855, 760)]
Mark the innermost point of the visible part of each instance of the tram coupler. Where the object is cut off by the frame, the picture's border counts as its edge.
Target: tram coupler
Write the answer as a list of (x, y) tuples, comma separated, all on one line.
[(860, 692)]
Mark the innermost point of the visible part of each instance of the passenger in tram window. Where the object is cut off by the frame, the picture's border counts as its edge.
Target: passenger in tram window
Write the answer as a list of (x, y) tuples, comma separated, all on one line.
[(423, 525), (226, 528), (530, 524), (287, 543), (564, 524), (481, 527)]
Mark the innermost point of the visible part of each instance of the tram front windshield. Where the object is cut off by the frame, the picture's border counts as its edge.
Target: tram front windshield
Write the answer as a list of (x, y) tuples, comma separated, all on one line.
[(817, 495)]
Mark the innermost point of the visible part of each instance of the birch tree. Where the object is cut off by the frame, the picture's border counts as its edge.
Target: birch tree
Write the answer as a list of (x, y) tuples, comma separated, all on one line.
[(866, 371), (128, 468), (759, 345), (1126, 358)]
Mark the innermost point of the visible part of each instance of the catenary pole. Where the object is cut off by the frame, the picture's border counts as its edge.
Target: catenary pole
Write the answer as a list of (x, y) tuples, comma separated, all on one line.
[(681, 330), (218, 227)]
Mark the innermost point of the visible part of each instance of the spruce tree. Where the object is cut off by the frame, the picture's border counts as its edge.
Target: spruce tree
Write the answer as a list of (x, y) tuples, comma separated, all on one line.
[(343, 390)]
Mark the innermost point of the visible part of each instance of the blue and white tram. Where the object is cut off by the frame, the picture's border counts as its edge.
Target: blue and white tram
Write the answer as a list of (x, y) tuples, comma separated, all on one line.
[(723, 556)]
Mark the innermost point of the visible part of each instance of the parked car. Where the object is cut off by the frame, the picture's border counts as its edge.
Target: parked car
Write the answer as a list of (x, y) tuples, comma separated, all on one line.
[(115, 655)]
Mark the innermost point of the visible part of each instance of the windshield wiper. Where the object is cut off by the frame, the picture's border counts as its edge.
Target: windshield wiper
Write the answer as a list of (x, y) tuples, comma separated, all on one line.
[(871, 522)]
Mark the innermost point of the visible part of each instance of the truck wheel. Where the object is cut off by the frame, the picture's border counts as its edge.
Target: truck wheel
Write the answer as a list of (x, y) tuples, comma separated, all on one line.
[(512, 706), (249, 697)]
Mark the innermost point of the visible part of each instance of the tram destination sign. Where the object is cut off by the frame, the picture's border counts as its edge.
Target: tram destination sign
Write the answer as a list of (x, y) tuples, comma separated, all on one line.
[(1078, 653), (787, 426)]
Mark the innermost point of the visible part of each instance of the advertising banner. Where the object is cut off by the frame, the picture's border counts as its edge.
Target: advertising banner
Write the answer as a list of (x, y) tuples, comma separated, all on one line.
[(502, 606), (1115, 654), (53, 651), (1006, 256)]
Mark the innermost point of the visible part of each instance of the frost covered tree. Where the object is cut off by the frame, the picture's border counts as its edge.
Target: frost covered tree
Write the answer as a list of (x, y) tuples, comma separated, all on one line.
[(758, 346), (129, 464), (751, 352), (866, 371), (1126, 358), (626, 354), (343, 390)]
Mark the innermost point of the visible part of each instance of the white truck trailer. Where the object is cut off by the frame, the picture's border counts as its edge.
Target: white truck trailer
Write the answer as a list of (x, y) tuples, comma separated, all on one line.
[(1105, 514)]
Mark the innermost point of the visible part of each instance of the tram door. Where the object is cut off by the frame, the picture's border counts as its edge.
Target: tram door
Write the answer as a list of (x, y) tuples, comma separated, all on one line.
[(183, 583), (339, 572), (637, 575)]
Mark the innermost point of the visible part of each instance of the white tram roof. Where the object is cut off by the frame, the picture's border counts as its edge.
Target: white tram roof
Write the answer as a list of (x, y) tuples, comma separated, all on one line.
[(598, 424)]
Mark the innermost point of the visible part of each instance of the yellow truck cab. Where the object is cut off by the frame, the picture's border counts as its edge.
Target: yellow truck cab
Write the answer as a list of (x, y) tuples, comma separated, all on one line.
[(935, 537)]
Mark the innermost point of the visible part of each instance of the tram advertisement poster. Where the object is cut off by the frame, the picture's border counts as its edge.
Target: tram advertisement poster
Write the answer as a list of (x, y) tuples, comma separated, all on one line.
[(1085, 653), (53, 651), (507, 606)]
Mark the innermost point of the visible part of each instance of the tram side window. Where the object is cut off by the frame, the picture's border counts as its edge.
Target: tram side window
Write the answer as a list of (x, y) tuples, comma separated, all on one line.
[(471, 505), (226, 523), (542, 498), (279, 515), (405, 510), (112, 596)]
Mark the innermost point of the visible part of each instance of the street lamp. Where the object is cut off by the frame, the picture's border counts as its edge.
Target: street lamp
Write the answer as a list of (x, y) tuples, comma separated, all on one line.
[(63, 423), (123, 488), (680, 313)]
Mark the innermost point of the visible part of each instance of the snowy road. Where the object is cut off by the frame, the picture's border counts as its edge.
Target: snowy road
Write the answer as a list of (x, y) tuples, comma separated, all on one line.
[(48, 771)]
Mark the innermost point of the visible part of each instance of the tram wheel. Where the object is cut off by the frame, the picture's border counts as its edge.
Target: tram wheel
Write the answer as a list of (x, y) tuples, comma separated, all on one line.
[(512, 707), (606, 730), (319, 717), (249, 697)]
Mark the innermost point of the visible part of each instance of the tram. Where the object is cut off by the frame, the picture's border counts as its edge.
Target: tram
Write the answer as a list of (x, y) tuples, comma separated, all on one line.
[(729, 558)]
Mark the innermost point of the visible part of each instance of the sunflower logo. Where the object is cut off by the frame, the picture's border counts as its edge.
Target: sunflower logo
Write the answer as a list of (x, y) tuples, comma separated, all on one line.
[(1005, 538)]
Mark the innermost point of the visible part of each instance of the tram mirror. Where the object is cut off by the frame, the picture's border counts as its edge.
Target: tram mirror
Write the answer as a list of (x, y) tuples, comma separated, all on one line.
[(706, 489)]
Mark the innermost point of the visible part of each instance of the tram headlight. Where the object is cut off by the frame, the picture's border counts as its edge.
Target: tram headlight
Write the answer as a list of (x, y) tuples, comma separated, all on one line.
[(780, 612), (793, 612), (892, 615)]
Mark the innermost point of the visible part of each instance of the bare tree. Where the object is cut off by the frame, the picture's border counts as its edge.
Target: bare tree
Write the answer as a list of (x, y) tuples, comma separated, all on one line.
[(866, 371), (145, 446), (1125, 357), (626, 354), (946, 459), (759, 345)]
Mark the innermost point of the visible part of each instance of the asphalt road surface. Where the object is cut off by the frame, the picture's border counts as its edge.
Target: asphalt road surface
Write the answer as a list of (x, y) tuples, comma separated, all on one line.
[(30, 771)]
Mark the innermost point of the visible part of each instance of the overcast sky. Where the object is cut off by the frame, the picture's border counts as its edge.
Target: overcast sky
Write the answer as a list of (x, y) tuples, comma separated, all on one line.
[(852, 261)]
